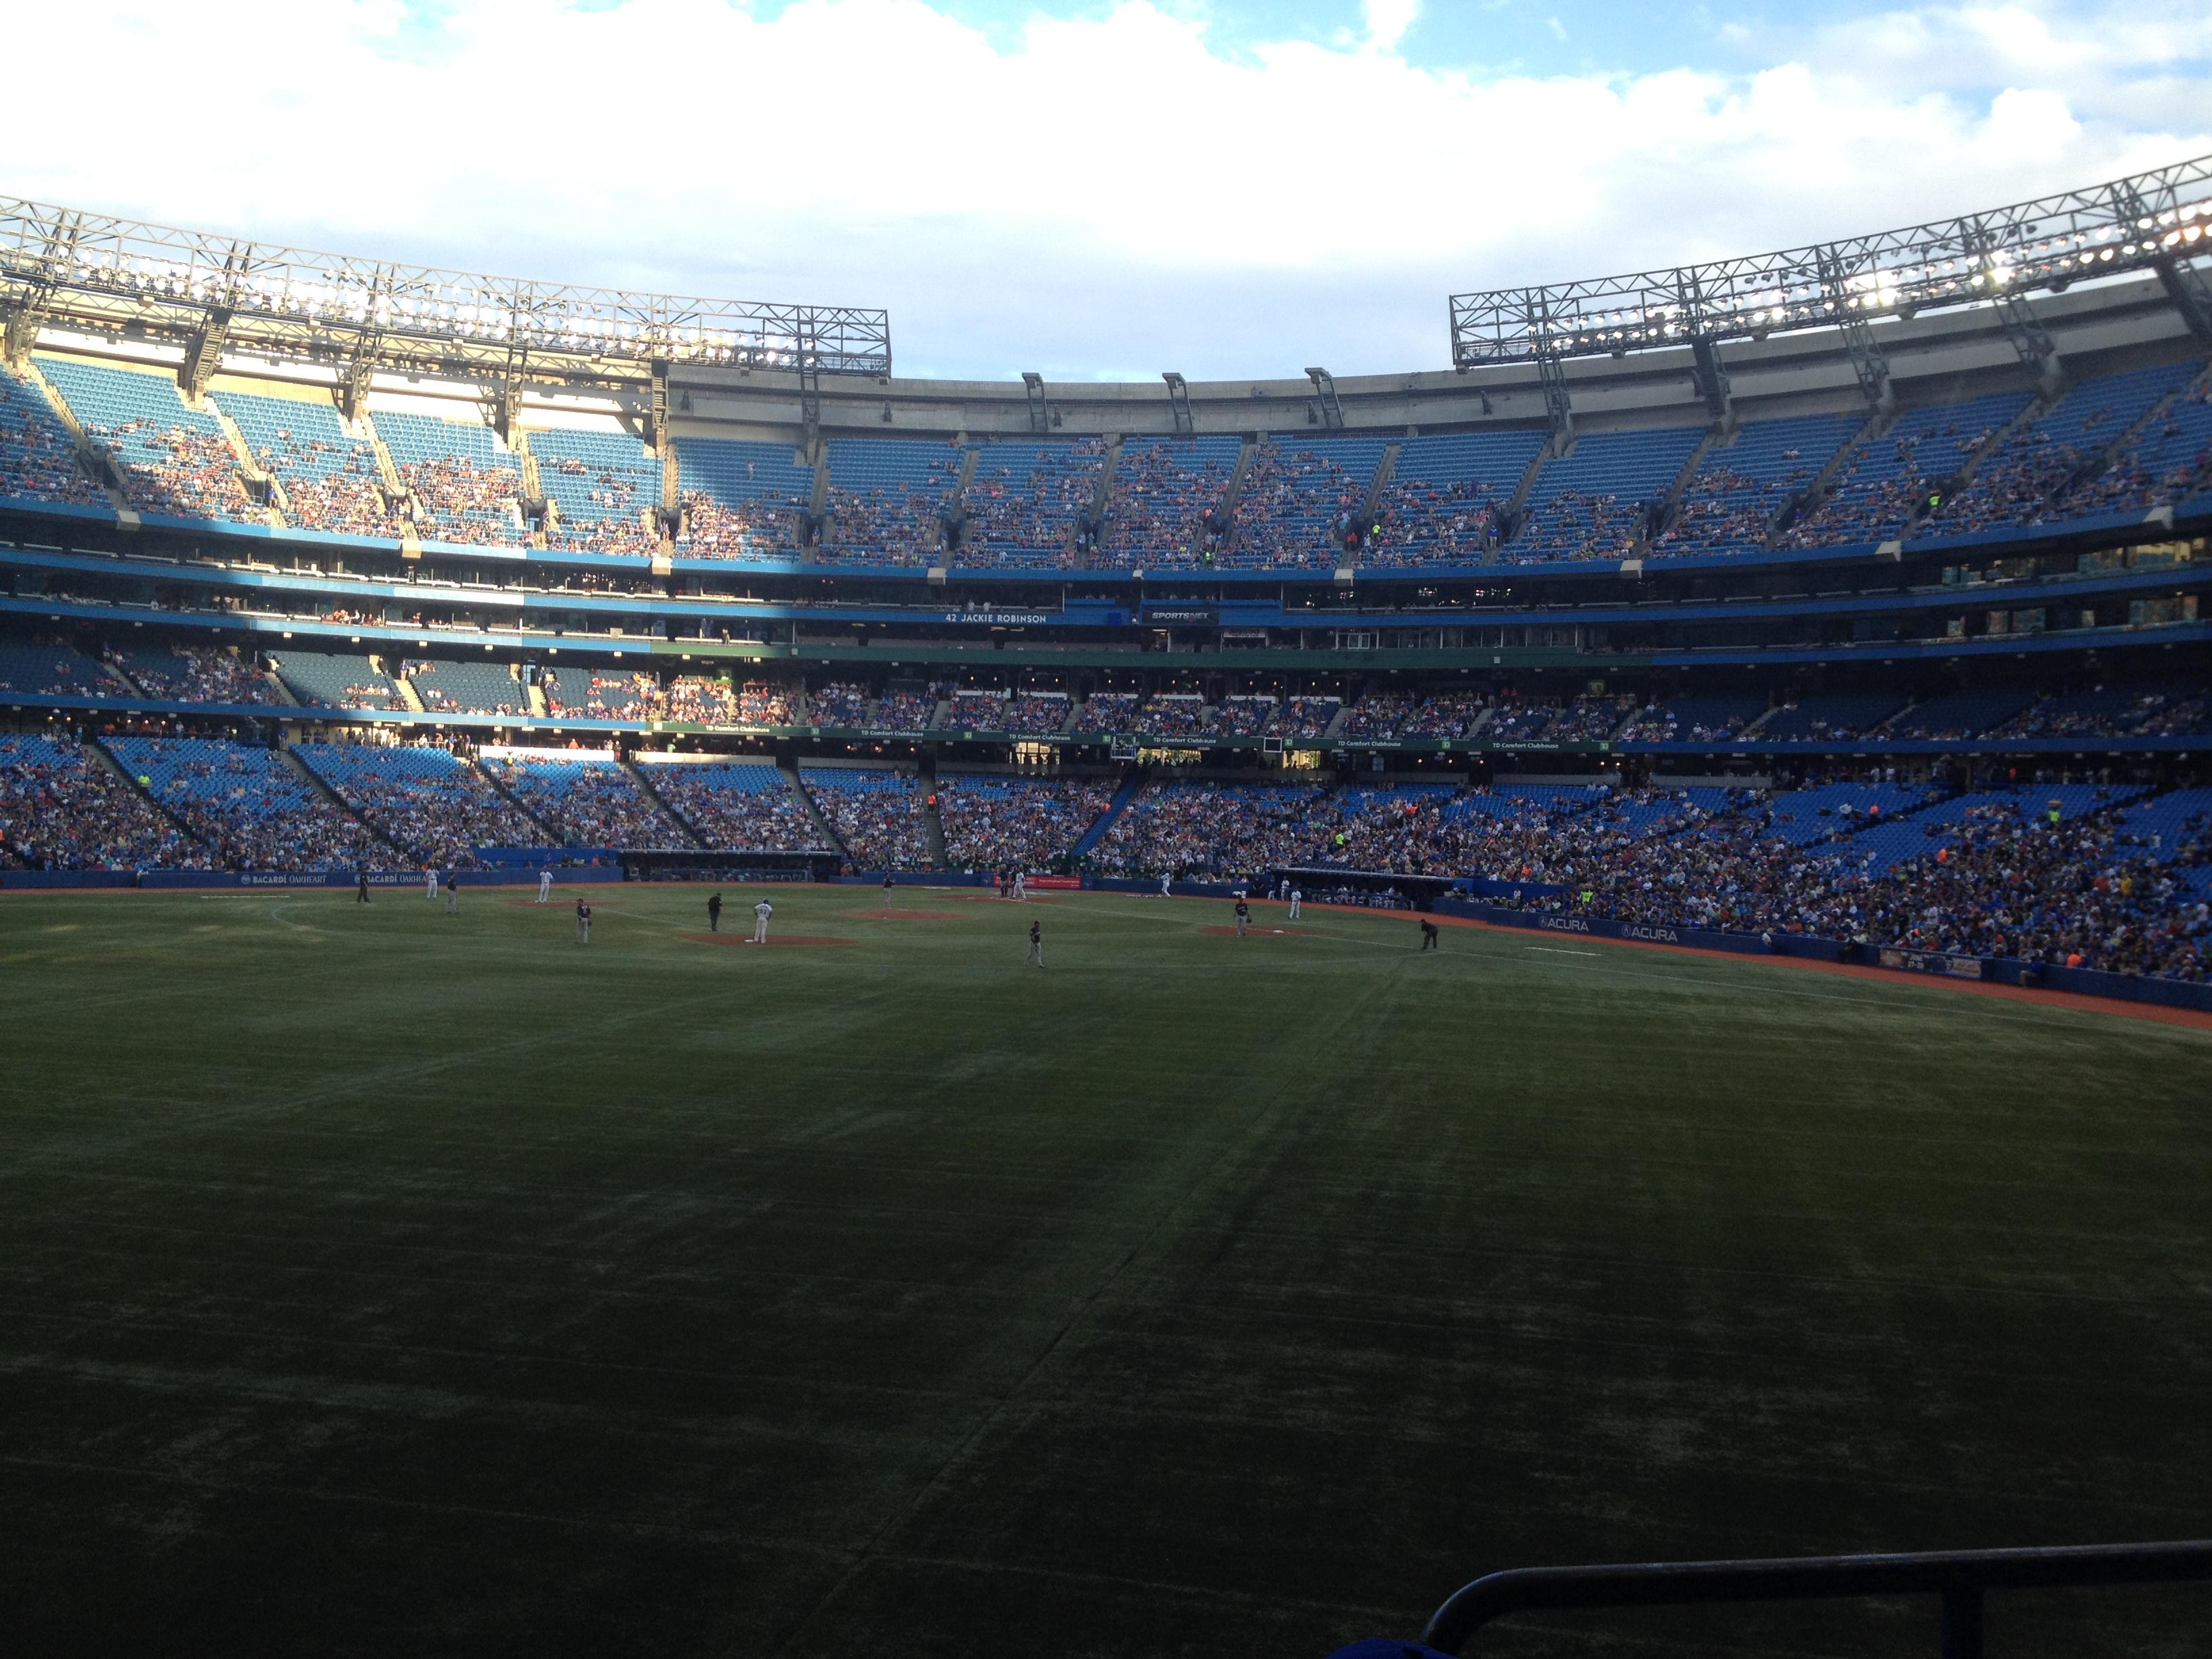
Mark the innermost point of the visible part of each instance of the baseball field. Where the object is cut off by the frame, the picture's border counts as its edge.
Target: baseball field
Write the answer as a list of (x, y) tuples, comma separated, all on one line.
[(379, 1282)]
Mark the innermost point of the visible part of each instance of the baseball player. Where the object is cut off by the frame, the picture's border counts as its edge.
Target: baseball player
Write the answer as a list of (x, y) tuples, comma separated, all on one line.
[(762, 912), (1037, 944), (430, 883), (583, 922), (546, 884), (1295, 896)]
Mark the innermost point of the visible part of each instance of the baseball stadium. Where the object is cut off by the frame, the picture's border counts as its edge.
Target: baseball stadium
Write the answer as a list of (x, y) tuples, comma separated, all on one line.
[(671, 992)]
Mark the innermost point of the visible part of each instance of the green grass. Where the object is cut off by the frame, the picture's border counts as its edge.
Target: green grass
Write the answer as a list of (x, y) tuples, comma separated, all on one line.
[(375, 1281)]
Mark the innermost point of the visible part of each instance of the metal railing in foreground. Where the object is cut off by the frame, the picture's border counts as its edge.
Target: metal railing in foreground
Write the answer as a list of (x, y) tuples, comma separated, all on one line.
[(1962, 1578)]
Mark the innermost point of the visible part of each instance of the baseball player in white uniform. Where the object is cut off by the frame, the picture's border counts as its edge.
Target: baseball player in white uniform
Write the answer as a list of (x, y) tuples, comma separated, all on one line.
[(430, 883), (1295, 896), (762, 912), (546, 884)]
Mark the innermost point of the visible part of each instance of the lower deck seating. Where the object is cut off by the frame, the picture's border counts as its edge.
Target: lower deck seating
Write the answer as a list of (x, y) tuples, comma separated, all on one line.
[(880, 815), (62, 807), (248, 803), (433, 805), (588, 801), (744, 806), (999, 823)]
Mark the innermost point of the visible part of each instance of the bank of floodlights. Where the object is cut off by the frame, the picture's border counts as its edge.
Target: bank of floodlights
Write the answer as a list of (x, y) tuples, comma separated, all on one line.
[(95, 271), (2139, 223)]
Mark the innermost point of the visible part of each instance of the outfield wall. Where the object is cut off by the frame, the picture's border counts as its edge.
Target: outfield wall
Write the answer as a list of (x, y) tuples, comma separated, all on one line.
[(2083, 982)]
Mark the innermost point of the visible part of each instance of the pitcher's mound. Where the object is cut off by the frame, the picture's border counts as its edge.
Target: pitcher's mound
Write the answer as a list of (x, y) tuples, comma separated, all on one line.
[(775, 941)]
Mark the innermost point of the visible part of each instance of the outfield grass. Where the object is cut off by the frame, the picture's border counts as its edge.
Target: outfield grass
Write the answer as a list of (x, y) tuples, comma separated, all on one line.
[(380, 1282)]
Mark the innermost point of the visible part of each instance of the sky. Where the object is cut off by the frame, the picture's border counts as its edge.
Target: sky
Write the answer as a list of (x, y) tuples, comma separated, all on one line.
[(1095, 189)]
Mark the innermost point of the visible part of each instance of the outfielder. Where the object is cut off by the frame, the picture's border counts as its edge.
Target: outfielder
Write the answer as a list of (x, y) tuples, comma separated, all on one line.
[(762, 912), (430, 883), (453, 893), (583, 922), (1036, 944)]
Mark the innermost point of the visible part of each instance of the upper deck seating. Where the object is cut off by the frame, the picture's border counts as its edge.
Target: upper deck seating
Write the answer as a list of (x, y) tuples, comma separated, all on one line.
[(467, 688), (2169, 460), (432, 803), (1304, 716), (1171, 714), (1889, 478), (1375, 717), (197, 673), (470, 486), (839, 702), (1739, 489), (1241, 717), (1833, 716), (1024, 498), (172, 460), (2013, 482), (1107, 711), (342, 680), (599, 694), (1441, 504), (1299, 497), (1593, 504), (1694, 719), (886, 498), (1162, 492), (604, 488), (247, 802), (37, 453), (903, 711), (329, 478), (743, 500), (1957, 715), (35, 666), (2143, 708), (63, 808)]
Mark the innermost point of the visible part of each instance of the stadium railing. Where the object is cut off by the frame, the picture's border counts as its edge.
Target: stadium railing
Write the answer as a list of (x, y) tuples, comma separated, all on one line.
[(1961, 1578)]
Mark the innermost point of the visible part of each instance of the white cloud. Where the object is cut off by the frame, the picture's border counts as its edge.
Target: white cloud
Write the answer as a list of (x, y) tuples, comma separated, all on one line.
[(1387, 21), (1110, 193)]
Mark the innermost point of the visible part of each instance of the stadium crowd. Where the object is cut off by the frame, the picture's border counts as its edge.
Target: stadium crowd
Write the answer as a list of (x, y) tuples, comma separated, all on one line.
[(64, 808), (588, 803), (732, 808), (1017, 823)]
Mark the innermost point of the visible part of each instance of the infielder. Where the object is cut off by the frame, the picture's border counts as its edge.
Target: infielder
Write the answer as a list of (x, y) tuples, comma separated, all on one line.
[(1164, 883), (762, 912), (1037, 944), (1021, 885), (430, 883), (546, 884), (453, 893), (1295, 896), (887, 890), (583, 922), (1244, 916)]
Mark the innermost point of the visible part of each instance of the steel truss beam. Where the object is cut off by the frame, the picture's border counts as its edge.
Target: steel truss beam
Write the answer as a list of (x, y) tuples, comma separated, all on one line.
[(2137, 223), (102, 273), (1039, 410), (1179, 402), (1324, 384)]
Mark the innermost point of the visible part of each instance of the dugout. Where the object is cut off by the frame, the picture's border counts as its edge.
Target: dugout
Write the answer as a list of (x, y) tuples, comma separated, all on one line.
[(1373, 887), (700, 863)]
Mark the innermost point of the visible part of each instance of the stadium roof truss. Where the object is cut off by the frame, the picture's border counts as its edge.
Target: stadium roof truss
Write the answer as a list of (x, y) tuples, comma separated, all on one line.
[(97, 272), (2150, 222)]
